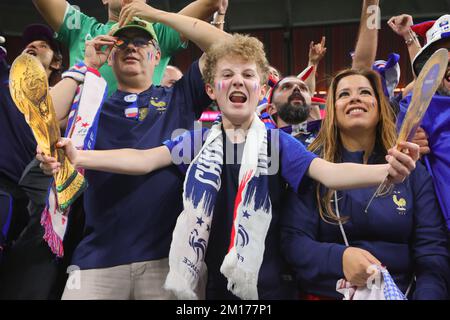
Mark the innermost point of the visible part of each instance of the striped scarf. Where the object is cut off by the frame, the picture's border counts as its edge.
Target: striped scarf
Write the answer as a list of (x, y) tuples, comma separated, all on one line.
[(82, 128), (251, 218)]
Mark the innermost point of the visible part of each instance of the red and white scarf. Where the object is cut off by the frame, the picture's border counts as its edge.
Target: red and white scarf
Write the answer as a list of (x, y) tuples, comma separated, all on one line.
[(82, 118)]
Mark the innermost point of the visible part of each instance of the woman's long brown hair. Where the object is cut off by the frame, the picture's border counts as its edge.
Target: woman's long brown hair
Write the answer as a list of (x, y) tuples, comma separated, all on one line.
[(328, 143)]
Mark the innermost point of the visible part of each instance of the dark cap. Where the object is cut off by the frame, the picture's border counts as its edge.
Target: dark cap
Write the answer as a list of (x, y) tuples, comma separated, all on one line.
[(34, 32)]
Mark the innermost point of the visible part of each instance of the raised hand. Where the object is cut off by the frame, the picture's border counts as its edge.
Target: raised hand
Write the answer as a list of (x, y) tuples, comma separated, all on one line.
[(317, 51), (401, 24), (134, 8), (95, 56)]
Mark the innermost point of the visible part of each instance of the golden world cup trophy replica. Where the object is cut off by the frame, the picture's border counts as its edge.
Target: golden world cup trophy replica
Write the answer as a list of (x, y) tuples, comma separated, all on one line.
[(30, 91)]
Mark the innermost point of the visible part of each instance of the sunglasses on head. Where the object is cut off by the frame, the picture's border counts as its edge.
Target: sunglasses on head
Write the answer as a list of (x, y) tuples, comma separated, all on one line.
[(123, 42)]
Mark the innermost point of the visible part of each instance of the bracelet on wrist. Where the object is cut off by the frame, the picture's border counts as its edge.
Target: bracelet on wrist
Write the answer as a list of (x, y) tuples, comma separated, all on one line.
[(412, 38)]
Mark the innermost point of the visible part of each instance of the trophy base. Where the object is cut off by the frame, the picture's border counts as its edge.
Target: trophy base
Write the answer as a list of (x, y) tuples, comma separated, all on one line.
[(70, 190)]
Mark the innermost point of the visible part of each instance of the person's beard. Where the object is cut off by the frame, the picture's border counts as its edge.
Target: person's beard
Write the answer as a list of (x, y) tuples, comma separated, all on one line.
[(293, 113), (443, 90)]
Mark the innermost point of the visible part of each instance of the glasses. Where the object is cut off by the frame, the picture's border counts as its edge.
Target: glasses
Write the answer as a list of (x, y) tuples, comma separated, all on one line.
[(123, 43)]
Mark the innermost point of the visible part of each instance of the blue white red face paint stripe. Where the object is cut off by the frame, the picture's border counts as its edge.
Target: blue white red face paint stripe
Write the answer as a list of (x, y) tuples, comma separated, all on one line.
[(219, 86), (150, 56)]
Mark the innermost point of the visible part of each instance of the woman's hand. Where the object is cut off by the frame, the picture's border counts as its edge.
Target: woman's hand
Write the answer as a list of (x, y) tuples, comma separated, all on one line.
[(402, 163), (356, 264)]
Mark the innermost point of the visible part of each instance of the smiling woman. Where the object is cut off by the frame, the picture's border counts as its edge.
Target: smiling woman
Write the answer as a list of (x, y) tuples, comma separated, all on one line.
[(356, 107), (361, 113), (359, 127)]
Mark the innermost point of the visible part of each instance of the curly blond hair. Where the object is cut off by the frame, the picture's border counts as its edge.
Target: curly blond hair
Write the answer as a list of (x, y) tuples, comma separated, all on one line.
[(239, 46)]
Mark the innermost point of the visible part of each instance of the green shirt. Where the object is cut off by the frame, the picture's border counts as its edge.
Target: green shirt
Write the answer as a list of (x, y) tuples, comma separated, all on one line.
[(78, 27)]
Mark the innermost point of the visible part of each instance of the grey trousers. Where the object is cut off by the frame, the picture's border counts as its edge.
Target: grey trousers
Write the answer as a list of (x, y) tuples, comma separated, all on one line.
[(136, 281)]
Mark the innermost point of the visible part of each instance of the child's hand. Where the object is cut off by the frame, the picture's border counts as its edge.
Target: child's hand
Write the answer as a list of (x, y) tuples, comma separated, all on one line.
[(50, 165), (402, 163), (69, 149)]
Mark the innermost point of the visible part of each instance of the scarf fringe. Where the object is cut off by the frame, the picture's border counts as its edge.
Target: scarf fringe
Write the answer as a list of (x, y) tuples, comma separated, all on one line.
[(248, 281), (181, 286), (53, 240)]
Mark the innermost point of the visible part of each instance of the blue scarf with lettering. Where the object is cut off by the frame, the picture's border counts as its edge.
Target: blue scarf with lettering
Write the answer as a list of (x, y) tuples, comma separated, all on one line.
[(251, 218)]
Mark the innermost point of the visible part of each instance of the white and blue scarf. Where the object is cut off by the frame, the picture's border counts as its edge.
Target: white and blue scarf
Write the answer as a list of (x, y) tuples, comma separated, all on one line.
[(251, 218)]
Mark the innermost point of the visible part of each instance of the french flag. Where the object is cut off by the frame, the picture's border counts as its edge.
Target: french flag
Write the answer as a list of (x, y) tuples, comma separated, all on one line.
[(131, 112)]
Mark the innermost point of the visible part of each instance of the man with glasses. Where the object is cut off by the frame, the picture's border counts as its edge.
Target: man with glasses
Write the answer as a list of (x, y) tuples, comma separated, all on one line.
[(74, 28), (130, 219)]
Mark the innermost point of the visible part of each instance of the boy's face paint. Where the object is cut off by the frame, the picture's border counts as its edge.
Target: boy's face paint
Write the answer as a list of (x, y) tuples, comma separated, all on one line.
[(256, 87), (222, 85), (237, 89)]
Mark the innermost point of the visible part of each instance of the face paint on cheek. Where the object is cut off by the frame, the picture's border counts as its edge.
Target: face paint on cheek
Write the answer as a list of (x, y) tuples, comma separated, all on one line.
[(222, 85), (256, 86), (219, 86)]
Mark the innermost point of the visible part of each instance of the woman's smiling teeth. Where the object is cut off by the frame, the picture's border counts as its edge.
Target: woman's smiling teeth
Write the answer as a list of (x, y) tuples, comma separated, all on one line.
[(356, 111)]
